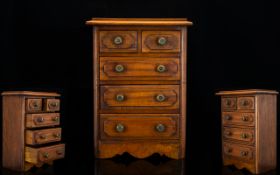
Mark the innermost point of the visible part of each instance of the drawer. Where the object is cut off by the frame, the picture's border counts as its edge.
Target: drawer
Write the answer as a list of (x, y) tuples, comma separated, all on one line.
[(139, 126), (238, 118), (44, 154), (244, 153), (118, 41), (34, 137), (228, 103), (34, 104), (245, 103), (239, 134), (42, 120), (52, 105), (142, 97), (120, 68), (161, 41)]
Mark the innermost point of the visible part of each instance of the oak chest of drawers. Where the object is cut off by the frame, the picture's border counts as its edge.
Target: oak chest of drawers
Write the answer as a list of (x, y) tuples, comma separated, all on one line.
[(249, 129), (139, 86), (31, 132)]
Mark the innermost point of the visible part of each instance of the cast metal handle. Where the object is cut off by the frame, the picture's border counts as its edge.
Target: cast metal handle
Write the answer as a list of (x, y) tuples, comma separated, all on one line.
[(244, 135), (119, 68), (118, 40), (161, 41), (228, 117), (244, 153), (161, 68), (160, 97), (56, 135), (120, 127), (160, 127), (46, 155), (55, 119), (40, 119), (245, 118), (120, 97)]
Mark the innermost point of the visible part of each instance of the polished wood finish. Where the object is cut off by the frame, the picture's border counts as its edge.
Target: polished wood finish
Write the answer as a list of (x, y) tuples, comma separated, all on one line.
[(151, 41), (139, 86), (238, 118), (118, 41), (139, 69), (249, 129), (139, 126), (36, 137), (23, 110), (45, 154), (42, 120), (139, 22)]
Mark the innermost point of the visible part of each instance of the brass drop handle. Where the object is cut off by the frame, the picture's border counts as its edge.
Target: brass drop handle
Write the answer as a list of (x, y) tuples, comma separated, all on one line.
[(160, 127), (43, 136), (160, 97), (120, 127), (35, 104), (53, 104), (228, 133), (56, 135), (245, 102), (228, 150), (228, 102), (118, 40), (245, 118), (55, 119), (120, 97), (46, 155), (244, 153), (244, 135), (119, 68), (59, 152), (161, 68), (228, 117), (40, 119), (162, 41)]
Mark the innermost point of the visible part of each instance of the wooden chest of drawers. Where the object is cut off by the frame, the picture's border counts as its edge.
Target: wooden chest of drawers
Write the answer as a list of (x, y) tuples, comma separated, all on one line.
[(249, 129), (139, 86), (31, 132)]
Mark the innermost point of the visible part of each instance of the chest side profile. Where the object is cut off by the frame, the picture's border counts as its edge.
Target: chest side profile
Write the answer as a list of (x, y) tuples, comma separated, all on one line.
[(249, 129)]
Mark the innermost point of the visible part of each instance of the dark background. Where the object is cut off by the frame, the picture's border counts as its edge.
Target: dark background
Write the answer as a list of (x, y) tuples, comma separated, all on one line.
[(46, 46)]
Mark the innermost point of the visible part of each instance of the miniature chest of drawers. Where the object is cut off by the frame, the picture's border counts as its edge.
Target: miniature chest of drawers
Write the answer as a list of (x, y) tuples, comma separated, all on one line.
[(139, 86), (31, 132), (249, 129)]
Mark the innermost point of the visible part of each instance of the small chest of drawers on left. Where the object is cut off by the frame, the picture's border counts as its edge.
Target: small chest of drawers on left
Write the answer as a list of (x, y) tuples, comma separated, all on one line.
[(31, 132)]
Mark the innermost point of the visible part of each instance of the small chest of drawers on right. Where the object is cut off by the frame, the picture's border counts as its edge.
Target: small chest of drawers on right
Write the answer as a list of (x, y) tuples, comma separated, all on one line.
[(249, 129)]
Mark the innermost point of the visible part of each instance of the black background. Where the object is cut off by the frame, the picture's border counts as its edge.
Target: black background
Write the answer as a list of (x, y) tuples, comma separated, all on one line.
[(46, 46)]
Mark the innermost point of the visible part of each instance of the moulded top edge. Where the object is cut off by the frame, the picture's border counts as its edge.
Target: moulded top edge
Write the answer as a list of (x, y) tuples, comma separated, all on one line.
[(140, 21), (31, 93), (247, 91)]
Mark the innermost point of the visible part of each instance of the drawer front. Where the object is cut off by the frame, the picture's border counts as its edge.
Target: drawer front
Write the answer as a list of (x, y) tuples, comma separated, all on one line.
[(161, 41), (44, 154), (239, 134), (42, 120), (228, 103), (238, 118), (245, 103), (34, 137), (139, 126), (52, 105), (118, 41), (119, 68), (164, 97), (34, 104), (244, 153)]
